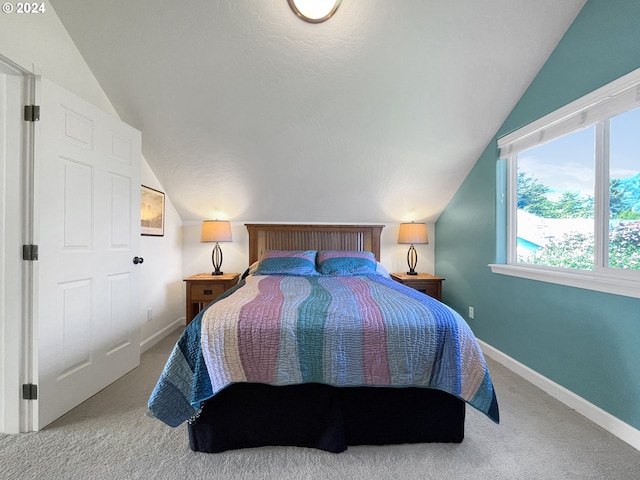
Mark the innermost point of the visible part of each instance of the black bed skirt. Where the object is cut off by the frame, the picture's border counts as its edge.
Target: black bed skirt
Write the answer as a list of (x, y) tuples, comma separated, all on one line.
[(248, 415)]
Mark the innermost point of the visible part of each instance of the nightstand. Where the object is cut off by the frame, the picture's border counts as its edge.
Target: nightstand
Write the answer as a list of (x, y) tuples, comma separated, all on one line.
[(423, 282), (203, 288)]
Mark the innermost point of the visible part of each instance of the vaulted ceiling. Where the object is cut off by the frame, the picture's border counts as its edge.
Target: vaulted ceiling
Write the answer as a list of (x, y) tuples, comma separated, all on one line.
[(251, 114)]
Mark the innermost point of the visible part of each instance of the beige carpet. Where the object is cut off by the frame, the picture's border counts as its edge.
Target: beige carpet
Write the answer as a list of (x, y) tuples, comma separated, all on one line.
[(109, 437)]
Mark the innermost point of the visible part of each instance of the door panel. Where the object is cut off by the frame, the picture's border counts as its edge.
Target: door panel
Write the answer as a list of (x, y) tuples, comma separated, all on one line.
[(78, 213), (75, 317), (119, 333), (120, 212), (87, 226)]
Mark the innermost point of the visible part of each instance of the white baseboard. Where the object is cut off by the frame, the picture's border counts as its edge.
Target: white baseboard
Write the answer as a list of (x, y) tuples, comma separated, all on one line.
[(614, 425), (147, 343)]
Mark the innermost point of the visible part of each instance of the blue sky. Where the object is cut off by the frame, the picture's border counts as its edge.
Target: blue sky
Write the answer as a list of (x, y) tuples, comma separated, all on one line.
[(567, 163)]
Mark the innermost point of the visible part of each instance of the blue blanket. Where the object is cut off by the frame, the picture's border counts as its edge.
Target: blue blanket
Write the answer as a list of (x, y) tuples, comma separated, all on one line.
[(341, 331)]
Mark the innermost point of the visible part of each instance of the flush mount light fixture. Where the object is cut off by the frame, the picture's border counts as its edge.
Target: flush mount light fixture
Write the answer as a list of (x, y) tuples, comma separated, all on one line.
[(314, 11)]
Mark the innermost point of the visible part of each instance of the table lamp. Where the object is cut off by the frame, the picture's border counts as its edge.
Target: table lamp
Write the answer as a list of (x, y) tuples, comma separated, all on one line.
[(216, 231), (413, 233)]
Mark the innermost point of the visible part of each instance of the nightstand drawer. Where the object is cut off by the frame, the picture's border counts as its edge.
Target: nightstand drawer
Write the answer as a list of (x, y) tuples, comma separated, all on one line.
[(206, 293), (423, 282), (203, 288), (433, 289)]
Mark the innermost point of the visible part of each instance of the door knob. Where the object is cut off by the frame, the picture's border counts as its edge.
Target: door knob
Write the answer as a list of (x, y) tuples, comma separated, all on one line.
[(137, 260)]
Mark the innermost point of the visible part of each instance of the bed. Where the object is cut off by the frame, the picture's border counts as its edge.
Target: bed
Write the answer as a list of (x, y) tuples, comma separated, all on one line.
[(318, 347)]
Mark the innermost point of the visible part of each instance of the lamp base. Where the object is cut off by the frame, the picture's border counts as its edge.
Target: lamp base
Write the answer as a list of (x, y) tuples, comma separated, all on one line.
[(412, 260), (216, 259)]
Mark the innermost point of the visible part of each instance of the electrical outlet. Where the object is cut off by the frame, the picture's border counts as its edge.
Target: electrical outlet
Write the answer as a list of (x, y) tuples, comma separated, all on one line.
[(472, 313), (149, 314)]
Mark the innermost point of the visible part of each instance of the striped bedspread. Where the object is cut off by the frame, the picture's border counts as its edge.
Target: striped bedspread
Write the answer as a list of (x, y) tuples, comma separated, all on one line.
[(340, 331)]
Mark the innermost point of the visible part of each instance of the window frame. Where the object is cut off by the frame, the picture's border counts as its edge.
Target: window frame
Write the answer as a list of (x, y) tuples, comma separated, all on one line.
[(596, 109)]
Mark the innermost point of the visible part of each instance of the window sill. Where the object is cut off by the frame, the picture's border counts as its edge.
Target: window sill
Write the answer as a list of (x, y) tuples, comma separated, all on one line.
[(617, 285)]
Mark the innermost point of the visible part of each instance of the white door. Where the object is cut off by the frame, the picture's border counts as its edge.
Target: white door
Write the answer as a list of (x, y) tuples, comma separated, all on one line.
[(87, 228)]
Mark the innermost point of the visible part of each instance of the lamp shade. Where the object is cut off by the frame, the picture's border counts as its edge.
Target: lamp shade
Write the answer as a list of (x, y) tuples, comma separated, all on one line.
[(413, 233), (215, 231)]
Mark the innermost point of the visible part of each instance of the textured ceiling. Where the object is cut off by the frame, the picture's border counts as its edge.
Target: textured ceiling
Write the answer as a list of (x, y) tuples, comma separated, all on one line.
[(377, 115)]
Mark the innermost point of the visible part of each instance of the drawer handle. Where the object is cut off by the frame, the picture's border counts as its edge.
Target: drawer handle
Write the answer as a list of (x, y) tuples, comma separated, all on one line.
[(208, 292)]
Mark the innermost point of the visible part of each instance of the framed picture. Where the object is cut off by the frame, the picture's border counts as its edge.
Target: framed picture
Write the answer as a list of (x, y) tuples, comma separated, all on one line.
[(152, 212)]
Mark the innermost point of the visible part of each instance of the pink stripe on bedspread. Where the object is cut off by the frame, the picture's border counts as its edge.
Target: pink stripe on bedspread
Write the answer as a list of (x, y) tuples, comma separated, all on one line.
[(259, 331), (374, 335)]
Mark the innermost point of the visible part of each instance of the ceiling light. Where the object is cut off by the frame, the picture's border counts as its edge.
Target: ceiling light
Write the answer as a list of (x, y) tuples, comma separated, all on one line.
[(314, 11)]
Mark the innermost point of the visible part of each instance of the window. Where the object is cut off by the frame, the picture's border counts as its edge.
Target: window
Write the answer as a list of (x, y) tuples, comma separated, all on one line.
[(573, 193), (555, 202), (624, 191)]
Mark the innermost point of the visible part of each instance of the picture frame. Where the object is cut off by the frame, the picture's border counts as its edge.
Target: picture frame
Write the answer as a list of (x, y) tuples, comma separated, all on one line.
[(151, 212)]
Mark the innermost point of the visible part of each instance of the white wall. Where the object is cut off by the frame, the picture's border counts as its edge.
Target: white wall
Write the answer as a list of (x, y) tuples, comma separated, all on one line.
[(196, 256), (41, 45), (162, 288)]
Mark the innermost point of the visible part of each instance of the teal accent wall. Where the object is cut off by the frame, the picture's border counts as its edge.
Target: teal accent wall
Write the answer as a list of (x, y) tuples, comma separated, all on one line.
[(587, 341)]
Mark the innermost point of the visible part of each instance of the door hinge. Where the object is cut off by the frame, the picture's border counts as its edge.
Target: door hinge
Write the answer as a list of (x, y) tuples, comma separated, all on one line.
[(29, 391), (31, 113), (30, 252)]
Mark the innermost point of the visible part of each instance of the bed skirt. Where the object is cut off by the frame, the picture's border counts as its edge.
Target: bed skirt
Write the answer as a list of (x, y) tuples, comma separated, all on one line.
[(246, 415)]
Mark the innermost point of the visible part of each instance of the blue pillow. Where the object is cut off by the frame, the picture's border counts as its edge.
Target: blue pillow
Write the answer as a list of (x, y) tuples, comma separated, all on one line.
[(344, 262), (287, 262)]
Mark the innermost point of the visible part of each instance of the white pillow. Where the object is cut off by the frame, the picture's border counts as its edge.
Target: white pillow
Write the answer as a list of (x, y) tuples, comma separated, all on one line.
[(380, 270), (253, 268)]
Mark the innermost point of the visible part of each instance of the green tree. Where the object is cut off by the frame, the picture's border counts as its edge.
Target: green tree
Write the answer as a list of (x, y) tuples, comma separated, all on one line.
[(573, 205), (532, 197), (617, 205), (531, 192), (628, 215), (621, 201)]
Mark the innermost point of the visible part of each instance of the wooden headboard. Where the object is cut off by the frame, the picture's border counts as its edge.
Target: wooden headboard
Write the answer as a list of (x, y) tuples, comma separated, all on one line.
[(312, 237)]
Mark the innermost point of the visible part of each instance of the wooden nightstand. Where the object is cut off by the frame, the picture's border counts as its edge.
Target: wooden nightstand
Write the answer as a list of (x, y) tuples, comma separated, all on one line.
[(203, 288), (423, 282)]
